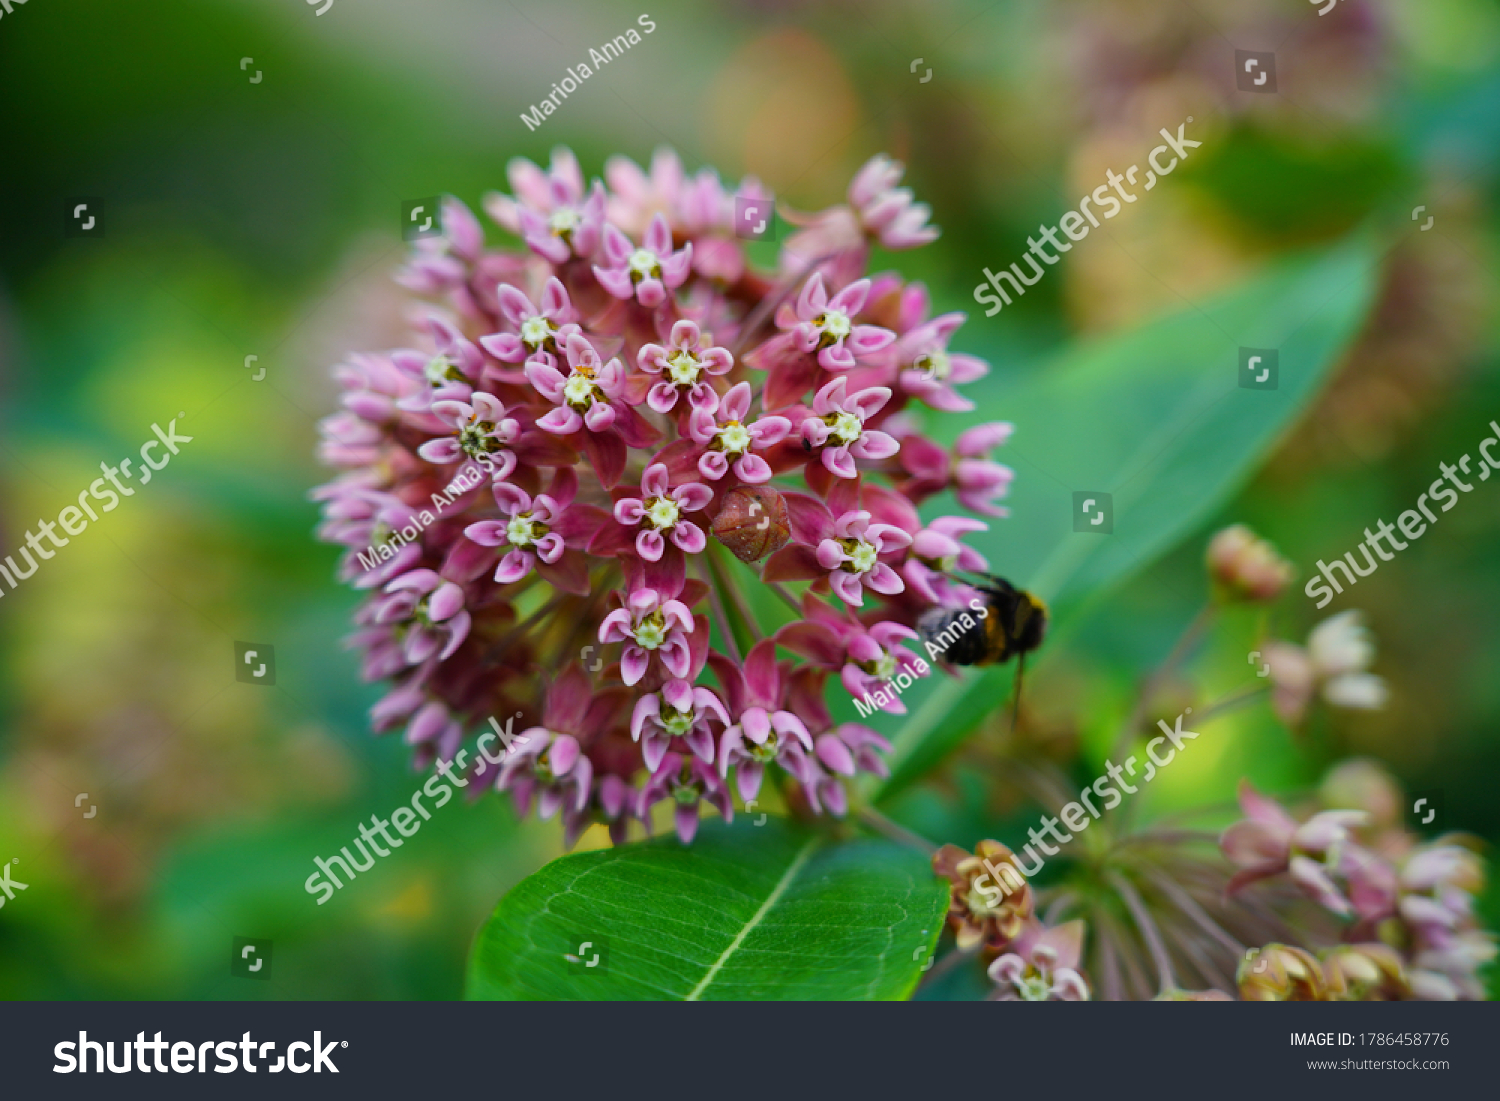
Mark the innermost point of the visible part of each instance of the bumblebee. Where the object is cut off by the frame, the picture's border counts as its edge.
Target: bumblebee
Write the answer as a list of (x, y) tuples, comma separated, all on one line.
[(1006, 622)]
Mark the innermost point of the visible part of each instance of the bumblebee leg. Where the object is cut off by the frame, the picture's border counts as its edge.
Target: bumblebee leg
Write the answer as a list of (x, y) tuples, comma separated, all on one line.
[(1015, 714)]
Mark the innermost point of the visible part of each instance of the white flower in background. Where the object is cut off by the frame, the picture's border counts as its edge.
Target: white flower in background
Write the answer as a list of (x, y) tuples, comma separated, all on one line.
[(1339, 653)]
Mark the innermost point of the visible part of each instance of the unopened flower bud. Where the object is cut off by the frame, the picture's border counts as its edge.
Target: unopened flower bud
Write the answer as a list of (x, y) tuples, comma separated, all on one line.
[(1246, 566), (1364, 785), (1365, 973), (752, 523), (1281, 973)]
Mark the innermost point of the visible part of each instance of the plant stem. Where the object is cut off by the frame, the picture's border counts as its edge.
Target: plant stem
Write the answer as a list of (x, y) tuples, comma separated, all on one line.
[(1149, 933), (790, 600), (1224, 703), (1232, 700), (768, 305), (720, 571), (896, 832), (536, 618), (721, 617), (1191, 635)]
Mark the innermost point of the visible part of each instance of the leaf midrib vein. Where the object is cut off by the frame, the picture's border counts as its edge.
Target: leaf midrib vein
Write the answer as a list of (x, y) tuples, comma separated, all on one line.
[(765, 907)]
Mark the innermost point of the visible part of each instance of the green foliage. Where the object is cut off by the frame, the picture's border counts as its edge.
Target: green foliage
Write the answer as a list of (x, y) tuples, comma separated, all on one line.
[(746, 912), (1155, 417)]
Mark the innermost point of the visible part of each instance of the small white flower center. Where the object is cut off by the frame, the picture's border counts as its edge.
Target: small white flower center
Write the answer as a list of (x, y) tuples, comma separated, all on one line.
[(734, 437), (643, 262), (934, 364), (682, 368), (764, 752), (564, 221), (521, 531), (863, 556), (474, 438), (437, 370), (662, 512), (578, 390), (1033, 988), (978, 905), (885, 666), (835, 323), (535, 331), (847, 427), (650, 633), (677, 723)]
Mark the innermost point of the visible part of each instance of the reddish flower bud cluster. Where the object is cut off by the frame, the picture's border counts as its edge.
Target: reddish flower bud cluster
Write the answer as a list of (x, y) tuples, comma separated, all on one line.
[(531, 493)]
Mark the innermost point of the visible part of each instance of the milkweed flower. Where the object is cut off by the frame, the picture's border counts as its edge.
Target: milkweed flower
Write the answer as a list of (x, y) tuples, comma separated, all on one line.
[(852, 553), (1335, 662), (685, 365), (825, 325), (636, 196), (479, 429), (1269, 842), (866, 658), (877, 210), (687, 782), (531, 329), (585, 396), (1247, 567), (989, 900), (526, 531), (887, 211), (647, 271), (551, 210), (838, 426), (650, 625), (1042, 966), (1282, 973), (594, 359), (763, 730), (679, 710), (661, 511), (431, 611), (728, 439), (977, 481), (930, 372)]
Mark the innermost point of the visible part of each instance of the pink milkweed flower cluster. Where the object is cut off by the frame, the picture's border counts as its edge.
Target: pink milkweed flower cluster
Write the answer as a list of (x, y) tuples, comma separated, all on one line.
[(1414, 899), (586, 423)]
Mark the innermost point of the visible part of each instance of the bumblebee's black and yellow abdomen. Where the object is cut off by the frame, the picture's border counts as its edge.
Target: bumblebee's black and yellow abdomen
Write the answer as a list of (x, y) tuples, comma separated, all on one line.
[(1015, 624)]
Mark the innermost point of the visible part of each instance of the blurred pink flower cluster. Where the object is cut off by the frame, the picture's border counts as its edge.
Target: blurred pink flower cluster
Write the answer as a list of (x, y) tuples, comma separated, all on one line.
[(640, 402), (1407, 902)]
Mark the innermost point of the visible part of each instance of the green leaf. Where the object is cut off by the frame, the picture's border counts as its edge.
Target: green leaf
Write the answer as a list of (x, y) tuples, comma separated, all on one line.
[(1156, 419), (745, 912)]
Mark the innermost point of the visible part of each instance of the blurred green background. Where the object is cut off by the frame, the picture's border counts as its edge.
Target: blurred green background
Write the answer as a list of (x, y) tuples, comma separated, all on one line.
[(262, 219)]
